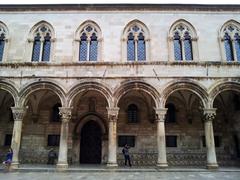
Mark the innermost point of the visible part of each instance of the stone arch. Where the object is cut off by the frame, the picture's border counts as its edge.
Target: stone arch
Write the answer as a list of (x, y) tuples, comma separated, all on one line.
[(189, 85), (84, 24), (86, 86), (42, 85), (90, 116), (136, 85), (184, 23), (139, 23), (9, 86), (41, 23), (221, 87)]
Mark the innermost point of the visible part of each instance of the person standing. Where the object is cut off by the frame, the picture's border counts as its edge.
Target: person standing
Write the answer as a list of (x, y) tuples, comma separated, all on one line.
[(125, 152), (8, 161)]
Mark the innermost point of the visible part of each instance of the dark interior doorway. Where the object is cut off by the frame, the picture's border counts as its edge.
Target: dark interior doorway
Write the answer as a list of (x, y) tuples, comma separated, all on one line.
[(91, 143)]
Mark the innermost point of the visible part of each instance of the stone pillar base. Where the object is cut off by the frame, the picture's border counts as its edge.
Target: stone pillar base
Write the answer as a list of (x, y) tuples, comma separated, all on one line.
[(112, 165), (212, 166), (162, 165), (15, 165), (62, 167)]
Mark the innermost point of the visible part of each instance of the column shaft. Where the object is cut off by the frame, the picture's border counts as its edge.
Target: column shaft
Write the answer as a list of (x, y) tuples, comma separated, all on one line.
[(112, 137), (209, 137), (161, 142), (63, 149), (18, 114)]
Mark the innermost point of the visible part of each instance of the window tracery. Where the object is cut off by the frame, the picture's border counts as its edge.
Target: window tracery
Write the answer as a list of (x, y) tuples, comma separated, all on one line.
[(230, 37)]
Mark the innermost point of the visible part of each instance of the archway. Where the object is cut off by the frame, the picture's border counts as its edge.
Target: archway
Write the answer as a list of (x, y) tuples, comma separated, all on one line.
[(6, 121), (91, 143)]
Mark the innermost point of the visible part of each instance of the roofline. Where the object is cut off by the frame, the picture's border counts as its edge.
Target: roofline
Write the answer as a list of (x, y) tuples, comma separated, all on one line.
[(119, 7)]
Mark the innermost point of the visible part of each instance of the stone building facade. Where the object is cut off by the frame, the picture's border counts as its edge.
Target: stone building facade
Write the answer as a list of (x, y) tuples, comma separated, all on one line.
[(87, 79)]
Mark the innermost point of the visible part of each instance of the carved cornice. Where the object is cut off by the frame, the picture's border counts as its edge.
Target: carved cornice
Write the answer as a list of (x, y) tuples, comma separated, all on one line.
[(18, 113), (65, 113), (209, 114)]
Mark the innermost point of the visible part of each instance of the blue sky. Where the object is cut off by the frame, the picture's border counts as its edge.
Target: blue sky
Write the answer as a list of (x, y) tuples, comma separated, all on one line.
[(117, 1)]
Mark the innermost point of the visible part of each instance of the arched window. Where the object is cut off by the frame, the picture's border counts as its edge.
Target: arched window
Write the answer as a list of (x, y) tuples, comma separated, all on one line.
[(135, 42), (230, 41), (171, 113), (55, 113), (88, 38), (3, 40), (41, 37), (132, 113), (183, 40)]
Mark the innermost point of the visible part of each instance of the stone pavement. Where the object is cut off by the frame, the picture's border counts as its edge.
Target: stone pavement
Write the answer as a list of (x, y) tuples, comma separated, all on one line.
[(44, 172), (121, 176)]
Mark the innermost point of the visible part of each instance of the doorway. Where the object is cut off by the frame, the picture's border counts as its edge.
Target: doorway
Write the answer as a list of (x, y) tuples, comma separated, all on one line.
[(91, 143)]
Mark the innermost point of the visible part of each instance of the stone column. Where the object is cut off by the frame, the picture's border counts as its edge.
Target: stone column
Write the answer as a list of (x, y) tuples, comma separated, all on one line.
[(18, 114), (112, 136), (209, 115), (65, 114), (161, 142)]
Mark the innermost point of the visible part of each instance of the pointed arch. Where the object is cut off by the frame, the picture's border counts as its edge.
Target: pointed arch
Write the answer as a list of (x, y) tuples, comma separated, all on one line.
[(135, 42), (183, 41), (229, 39), (41, 42), (88, 42), (4, 36)]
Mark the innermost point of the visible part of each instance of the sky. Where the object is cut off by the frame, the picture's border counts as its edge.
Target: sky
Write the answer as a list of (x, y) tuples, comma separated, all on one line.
[(119, 2)]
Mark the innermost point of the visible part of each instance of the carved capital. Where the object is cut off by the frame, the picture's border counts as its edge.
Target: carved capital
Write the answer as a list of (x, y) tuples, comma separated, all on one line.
[(113, 113), (65, 113), (209, 114), (18, 113), (160, 114)]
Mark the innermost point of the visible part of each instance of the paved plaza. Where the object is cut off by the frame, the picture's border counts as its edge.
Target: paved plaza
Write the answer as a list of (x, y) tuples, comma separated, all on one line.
[(120, 175)]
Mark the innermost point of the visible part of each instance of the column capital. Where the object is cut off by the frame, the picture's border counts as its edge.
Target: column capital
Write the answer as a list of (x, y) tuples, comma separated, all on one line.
[(113, 113), (209, 114), (18, 113), (65, 113), (160, 114)]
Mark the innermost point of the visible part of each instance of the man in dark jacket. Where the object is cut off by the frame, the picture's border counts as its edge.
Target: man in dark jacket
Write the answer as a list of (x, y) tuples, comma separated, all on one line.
[(126, 155)]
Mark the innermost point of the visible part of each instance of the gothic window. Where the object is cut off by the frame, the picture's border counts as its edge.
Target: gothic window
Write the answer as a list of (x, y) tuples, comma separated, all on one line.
[(183, 41), (230, 41), (42, 43), (135, 42), (89, 43), (171, 113), (55, 113), (132, 113), (3, 41)]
